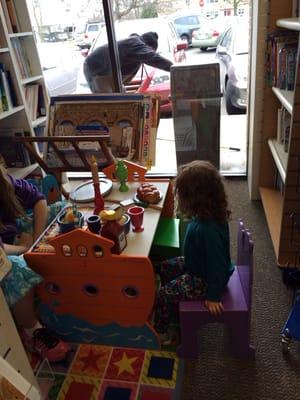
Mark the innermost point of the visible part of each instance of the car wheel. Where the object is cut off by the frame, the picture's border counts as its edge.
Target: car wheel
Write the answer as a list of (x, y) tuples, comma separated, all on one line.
[(203, 48), (230, 108), (185, 37)]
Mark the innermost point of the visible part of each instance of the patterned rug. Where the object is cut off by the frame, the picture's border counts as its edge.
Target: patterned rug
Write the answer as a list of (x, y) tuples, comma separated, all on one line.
[(95, 372)]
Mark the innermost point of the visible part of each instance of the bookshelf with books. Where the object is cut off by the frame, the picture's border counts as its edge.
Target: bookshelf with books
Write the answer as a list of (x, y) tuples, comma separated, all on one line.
[(23, 95), (279, 176)]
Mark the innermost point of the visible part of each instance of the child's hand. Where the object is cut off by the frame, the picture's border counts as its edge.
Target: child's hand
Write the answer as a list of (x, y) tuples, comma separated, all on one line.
[(25, 240), (214, 307)]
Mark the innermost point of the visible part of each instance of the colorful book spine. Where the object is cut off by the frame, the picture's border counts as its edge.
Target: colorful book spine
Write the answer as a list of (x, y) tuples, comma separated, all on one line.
[(6, 87), (146, 134), (4, 100), (291, 60)]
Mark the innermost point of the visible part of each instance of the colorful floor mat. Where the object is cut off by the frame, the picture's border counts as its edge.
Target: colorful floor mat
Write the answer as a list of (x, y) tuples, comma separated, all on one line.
[(95, 372)]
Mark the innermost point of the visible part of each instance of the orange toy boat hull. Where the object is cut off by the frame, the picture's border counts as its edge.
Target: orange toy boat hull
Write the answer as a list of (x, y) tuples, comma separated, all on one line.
[(85, 280)]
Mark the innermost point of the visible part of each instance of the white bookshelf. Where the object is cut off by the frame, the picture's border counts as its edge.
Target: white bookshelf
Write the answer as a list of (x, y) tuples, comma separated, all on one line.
[(19, 55)]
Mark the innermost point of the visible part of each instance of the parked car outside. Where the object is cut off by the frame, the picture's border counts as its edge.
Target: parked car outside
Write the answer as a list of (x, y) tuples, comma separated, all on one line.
[(148, 79), (60, 65), (85, 36), (185, 24), (55, 36), (232, 53), (210, 33)]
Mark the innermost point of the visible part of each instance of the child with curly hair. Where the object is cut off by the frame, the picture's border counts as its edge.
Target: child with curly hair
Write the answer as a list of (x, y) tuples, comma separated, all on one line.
[(204, 270), (16, 197)]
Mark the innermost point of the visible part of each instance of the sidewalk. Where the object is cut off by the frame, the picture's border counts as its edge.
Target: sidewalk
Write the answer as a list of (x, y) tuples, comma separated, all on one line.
[(233, 146)]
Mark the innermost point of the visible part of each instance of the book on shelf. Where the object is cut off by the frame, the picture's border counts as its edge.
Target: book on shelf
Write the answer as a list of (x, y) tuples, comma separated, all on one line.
[(13, 16), (6, 16), (279, 184), (39, 131), (283, 128), (3, 98), (14, 153), (296, 8), (19, 46), (291, 62), (281, 59), (31, 96), (42, 112), (6, 87)]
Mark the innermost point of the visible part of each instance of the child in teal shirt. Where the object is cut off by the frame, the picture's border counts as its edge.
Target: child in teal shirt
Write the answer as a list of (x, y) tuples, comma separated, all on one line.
[(205, 268)]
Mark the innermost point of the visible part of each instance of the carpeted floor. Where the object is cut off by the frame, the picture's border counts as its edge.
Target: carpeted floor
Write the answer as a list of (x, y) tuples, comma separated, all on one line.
[(215, 375)]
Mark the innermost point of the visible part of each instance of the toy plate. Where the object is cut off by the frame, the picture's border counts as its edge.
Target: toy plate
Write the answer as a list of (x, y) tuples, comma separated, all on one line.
[(137, 200), (84, 193)]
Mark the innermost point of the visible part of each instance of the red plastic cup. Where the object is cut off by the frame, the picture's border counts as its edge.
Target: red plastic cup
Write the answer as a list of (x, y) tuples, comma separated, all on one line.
[(136, 214)]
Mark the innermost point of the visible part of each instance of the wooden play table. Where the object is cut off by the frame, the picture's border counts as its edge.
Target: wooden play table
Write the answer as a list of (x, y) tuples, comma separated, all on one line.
[(90, 290)]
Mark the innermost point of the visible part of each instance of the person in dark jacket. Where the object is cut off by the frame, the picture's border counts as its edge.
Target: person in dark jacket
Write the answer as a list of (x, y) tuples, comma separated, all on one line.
[(133, 51)]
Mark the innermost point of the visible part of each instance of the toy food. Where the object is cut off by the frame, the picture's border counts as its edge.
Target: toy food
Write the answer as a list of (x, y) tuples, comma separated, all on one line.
[(148, 193), (69, 216)]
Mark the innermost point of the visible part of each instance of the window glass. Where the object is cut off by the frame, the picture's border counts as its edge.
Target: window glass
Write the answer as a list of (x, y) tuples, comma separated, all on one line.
[(241, 42), (227, 39), (66, 31), (181, 21), (126, 28), (93, 28)]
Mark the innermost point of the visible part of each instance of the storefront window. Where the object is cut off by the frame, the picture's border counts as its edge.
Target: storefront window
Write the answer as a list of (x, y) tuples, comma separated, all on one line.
[(67, 30)]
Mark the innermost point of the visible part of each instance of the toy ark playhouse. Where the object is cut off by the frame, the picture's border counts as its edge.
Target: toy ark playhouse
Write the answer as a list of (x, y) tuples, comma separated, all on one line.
[(90, 295)]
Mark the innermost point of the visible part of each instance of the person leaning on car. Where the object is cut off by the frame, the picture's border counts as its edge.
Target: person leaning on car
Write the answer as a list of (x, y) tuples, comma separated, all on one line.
[(133, 51)]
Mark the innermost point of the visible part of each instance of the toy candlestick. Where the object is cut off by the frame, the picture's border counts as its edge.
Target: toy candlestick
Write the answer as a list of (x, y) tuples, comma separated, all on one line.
[(99, 203), (94, 169)]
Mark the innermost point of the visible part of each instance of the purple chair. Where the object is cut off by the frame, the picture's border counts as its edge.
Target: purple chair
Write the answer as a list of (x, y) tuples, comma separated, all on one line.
[(237, 306)]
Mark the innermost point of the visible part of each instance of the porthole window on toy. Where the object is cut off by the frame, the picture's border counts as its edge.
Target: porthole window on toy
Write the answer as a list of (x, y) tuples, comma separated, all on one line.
[(136, 176), (82, 251), (130, 291), (90, 289), (98, 251), (52, 288), (67, 250)]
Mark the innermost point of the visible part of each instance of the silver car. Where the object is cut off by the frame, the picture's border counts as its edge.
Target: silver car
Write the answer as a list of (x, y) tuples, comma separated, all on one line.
[(232, 53), (210, 33), (207, 36)]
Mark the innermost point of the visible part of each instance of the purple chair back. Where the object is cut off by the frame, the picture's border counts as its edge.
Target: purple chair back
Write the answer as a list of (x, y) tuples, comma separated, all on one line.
[(244, 263)]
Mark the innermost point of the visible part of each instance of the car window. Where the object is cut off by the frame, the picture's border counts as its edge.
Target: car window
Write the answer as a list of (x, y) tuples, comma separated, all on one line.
[(93, 28), (226, 41), (193, 20), (188, 20), (173, 32), (241, 42), (181, 21)]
